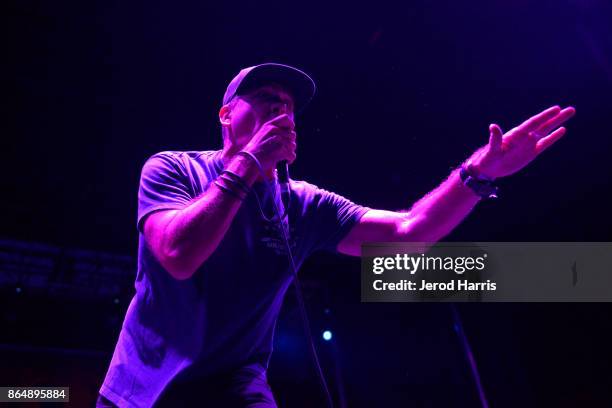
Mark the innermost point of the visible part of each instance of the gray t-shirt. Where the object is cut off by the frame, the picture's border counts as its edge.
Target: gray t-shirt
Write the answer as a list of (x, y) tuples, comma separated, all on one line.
[(223, 317)]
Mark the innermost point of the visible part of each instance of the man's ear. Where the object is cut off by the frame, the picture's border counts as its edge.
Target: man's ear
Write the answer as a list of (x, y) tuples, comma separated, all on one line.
[(225, 115)]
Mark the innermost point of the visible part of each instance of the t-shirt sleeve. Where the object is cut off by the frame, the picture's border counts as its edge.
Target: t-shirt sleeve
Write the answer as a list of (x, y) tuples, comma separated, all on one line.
[(163, 186), (334, 217)]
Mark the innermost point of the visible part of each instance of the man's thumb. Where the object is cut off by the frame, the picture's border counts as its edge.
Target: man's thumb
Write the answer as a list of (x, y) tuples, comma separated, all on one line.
[(495, 137)]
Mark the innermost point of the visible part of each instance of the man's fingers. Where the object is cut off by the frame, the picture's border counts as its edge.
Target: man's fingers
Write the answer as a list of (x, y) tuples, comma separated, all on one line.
[(557, 121), (283, 121), (547, 141), (286, 136), (538, 120), (495, 137), (291, 148)]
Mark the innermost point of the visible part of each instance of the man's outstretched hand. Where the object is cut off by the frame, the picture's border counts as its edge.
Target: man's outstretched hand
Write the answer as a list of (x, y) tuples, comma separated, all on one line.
[(508, 153)]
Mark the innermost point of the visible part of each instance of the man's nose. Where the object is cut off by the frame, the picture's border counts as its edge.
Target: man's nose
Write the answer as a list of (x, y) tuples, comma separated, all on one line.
[(279, 108)]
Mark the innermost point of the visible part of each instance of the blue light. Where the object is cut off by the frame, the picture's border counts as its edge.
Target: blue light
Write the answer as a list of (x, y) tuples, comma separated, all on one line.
[(327, 335)]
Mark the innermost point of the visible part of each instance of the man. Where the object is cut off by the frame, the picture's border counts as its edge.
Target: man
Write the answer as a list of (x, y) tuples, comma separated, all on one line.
[(212, 265)]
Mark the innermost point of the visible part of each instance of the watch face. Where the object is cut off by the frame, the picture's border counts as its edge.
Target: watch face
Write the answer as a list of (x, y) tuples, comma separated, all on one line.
[(483, 188)]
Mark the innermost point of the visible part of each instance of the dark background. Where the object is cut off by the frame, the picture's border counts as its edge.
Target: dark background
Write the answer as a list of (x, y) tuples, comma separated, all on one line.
[(406, 92)]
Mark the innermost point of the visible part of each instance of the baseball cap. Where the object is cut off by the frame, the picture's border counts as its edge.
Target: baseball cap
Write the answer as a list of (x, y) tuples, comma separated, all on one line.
[(298, 83)]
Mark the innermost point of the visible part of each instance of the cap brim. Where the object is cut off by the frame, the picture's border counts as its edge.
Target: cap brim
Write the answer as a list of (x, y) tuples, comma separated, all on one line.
[(298, 83)]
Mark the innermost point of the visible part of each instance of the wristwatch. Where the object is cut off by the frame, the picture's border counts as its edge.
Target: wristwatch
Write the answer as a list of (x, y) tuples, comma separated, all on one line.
[(481, 186)]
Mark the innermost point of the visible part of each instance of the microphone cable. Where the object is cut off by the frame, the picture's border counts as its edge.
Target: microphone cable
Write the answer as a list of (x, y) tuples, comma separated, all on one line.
[(302, 307), (296, 282)]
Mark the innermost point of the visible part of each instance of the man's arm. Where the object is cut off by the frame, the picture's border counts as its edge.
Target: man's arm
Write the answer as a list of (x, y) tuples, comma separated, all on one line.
[(429, 220), (439, 212), (182, 240)]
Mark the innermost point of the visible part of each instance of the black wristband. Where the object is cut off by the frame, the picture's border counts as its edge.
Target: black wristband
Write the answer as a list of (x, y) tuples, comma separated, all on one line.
[(482, 187), (228, 190), (236, 179)]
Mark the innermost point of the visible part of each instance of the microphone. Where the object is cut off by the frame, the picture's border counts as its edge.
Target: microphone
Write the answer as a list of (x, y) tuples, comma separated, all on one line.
[(282, 172)]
